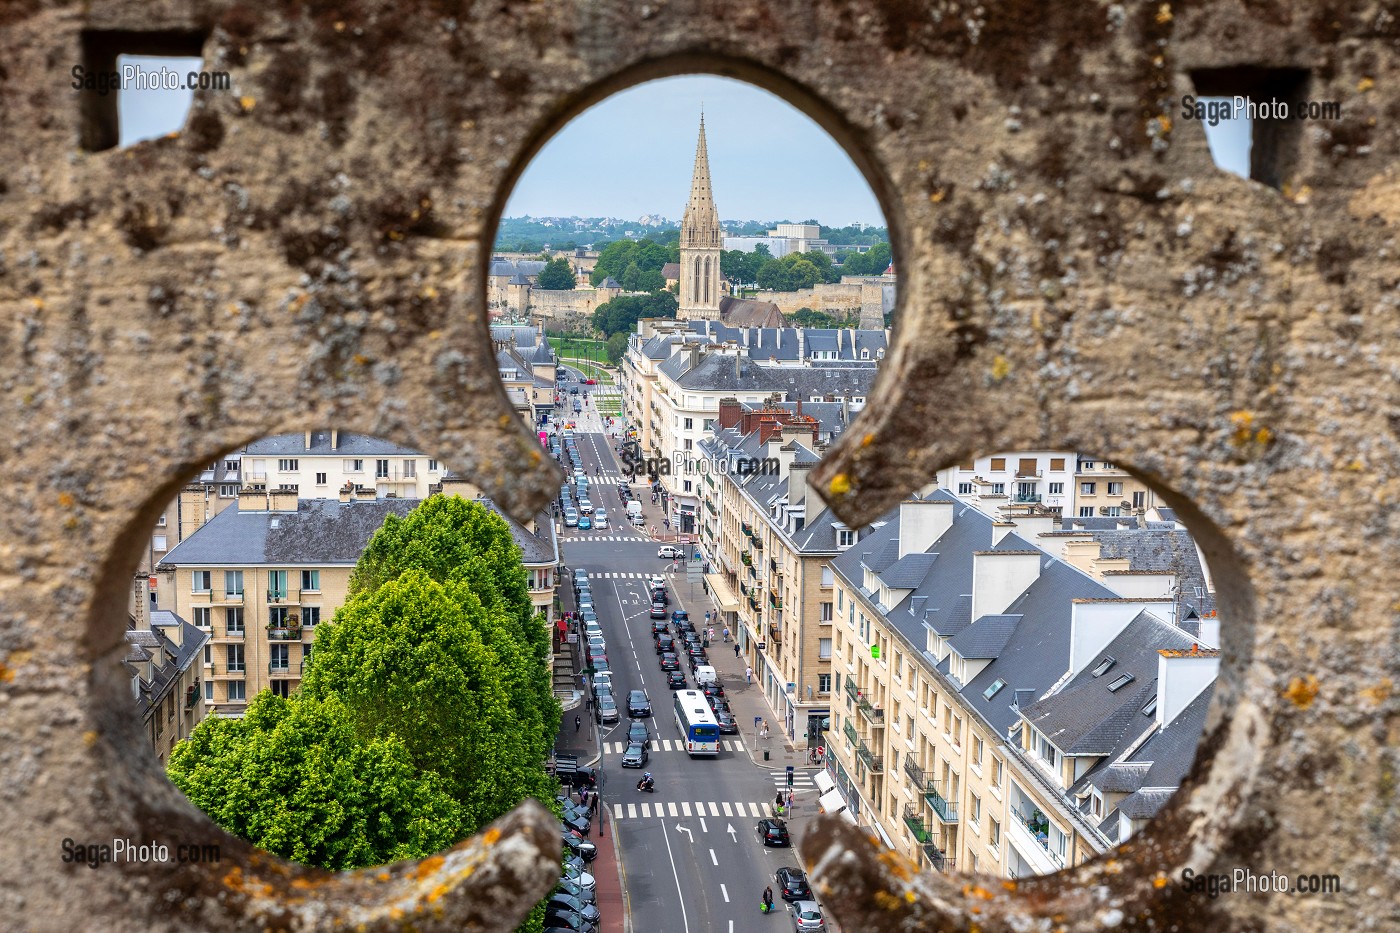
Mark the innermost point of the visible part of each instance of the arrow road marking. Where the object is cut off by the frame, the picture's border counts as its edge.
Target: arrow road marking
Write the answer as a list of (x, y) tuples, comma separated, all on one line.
[(682, 829), (733, 834)]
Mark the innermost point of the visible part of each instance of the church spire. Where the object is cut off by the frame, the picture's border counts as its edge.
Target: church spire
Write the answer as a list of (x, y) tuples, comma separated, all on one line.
[(701, 241), (701, 221)]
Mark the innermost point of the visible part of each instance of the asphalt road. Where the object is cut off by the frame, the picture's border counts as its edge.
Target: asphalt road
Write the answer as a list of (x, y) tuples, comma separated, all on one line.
[(690, 857)]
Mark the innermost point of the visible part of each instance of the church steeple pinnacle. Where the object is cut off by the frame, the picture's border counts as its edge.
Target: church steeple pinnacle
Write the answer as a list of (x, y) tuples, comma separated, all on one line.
[(700, 225), (701, 241)]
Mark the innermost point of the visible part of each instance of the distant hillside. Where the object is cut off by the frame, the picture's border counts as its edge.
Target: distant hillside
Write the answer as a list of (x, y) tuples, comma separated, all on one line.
[(535, 234)]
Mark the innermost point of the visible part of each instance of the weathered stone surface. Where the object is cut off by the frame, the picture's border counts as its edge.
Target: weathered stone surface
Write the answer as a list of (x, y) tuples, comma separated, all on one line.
[(1074, 273)]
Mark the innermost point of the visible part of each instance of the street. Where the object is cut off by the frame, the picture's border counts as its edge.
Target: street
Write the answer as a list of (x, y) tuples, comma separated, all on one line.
[(690, 857)]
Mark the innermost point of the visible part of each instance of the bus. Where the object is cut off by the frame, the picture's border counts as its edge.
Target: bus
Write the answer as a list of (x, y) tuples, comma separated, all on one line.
[(696, 723)]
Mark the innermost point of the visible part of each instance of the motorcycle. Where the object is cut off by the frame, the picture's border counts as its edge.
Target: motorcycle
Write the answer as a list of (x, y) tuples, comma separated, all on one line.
[(647, 784)]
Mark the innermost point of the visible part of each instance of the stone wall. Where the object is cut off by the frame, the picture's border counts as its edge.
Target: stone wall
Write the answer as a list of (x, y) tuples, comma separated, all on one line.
[(1074, 272)]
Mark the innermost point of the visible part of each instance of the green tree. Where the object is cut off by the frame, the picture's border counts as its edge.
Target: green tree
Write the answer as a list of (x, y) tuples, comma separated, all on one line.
[(651, 280), (802, 273), (806, 317), (613, 260), (557, 275), (773, 275), (622, 313), (650, 256), (295, 777), (617, 347), (629, 277)]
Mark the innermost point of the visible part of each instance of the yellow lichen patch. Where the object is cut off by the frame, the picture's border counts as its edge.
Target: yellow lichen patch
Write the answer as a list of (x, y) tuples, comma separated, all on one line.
[(937, 195), (840, 484), (1263, 436), (65, 499), (896, 864), (1164, 123), (1365, 84), (1379, 693), (430, 293), (1355, 466), (909, 897), (89, 737), (1302, 691), (491, 836), (339, 26), (427, 867), (38, 303), (1009, 885), (301, 884), (1113, 867), (1164, 14), (977, 891), (396, 913), (505, 420), (247, 103), (1001, 367), (361, 359), (1159, 881), (867, 440), (887, 901), (383, 876), (1243, 423)]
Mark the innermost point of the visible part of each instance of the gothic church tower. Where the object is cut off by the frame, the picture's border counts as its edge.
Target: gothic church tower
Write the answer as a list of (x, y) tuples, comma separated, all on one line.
[(701, 241)]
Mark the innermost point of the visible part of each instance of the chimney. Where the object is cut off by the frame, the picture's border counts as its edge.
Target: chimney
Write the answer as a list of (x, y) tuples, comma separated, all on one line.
[(1181, 676), (141, 584), (347, 492), (1000, 577), (729, 412), (1033, 525), (1093, 623), (797, 483), (1134, 584), (1210, 630), (801, 343), (283, 500), (252, 500), (921, 523), (1001, 530), (335, 438), (695, 355), (306, 440)]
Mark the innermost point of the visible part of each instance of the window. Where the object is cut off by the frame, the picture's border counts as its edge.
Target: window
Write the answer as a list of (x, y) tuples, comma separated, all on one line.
[(310, 615), (827, 579), (1026, 466), (1096, 805), (1115, 489), (233, 620), (964, 489), (824, 649), (689, 444), (160, 522), (200, 580), (158, 542), (1057, 463), (993, 833), (237, 690), (845, 537), (234, 656), (1139, 500), (910, 721), (287, 466), (381, 469), (1086, 511), (993, 689), (233, 583), (320, 479), (279, 658), (685, 484), (690, 424), (977, 750), (1121, 681), (306, 655), (354, 466), (433, 467), (1102, 667), (276, 585), (1113, 511), (825, 612), (1057, 489), (1086, 464), (203, 616), (1087, 489), (998, 463), (311, 580), (287, 487), (823, 683), (208, 655), (410, 468), (277, 616), (228, 490), (998, 489), (975, 806), (997, 767), (209, 691)]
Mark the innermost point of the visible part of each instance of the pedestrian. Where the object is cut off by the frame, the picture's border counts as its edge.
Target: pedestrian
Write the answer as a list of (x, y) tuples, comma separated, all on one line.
[(736, 649), (748, 675), (578, 723), (763, 732), (583, 796), (789, 801), (593, 806), (726, 634)]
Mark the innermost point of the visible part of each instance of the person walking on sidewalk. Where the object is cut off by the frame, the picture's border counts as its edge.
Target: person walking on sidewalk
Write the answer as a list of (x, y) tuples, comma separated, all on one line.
[(748, 675), (726, 634), (578, 723), (736, 649)]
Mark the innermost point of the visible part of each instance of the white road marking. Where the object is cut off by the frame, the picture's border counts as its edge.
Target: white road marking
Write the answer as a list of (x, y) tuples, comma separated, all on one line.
[(671, 806), (703, 827), (714, 810), (726, 809), (631, 811), (646, 809), (714, 859), (725, 891), (685, 808)]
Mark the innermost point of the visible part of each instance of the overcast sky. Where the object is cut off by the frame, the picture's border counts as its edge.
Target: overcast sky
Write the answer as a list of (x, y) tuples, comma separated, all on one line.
[(632, 154)]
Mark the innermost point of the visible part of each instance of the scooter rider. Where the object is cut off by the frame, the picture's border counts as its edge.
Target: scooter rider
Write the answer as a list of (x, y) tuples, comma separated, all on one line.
[(646, 782)]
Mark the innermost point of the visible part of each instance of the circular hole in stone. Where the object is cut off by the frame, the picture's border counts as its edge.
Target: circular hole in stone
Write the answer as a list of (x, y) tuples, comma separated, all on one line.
[(342, 653)]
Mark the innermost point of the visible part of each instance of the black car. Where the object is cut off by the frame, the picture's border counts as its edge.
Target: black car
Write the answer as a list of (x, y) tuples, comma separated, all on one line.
[(669, 661), (638, 705), (573, 776), (685, 625), (713, 691), (658, 595), (573, 390), (638, 733), (583, 908), (560, 917), (675, 680), (576, 891), (658, 610), (728, 725), (578, 822), (659, 627), (696, 656), (792, 884), (718, 705), (579, 846), (773, 832), (664, 642)]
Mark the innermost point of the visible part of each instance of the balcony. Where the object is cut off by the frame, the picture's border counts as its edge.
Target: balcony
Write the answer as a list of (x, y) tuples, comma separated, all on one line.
[(947, 812), (917, 826), (192, 695), (1023, 499), (281, 668), (852, 735), (775, 631), (286, 597), (775, 601), (747, 560), (916, 775), (757, 543), (1030, 831), (747, 529), (284, 633), (1028, 474), (851, 688), (235, 632), (872, 713), (773, 565), (875, 763), (938, 859), (217, 598)]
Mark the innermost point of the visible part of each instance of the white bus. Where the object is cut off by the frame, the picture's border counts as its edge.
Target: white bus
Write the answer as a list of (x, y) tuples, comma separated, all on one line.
[(696, 723)]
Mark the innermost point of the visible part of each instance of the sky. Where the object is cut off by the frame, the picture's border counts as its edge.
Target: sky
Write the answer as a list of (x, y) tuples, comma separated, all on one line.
[(632, 154)]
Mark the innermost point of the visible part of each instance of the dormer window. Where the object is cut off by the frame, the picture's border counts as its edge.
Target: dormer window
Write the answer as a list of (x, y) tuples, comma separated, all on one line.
[(1102, 667), (845, 537), (1121, 681)]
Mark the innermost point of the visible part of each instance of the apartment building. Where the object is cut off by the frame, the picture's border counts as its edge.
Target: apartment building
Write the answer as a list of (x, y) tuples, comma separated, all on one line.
[(259, 578), (998, 708), (1102, 489), (163, 659), (1042, 478)]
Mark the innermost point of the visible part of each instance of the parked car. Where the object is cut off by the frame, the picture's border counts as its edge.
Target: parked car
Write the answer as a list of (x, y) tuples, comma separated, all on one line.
[(728, 725), (807, 917), (585, 602), (713, 691), (792, 884), (696, 656), (638, 733), (669, 551), (635, 756), (675, 680), (561, 918), (685, 625), (601, 667), (605, 709), (638, 705), (664, 642), (585, 909), (719, 706), (573, 390), (773, 832), (580, 574), (658, 610), (575, 874), (680, 615), (577, 822), (575, 843), (576, 890), (670, 662)]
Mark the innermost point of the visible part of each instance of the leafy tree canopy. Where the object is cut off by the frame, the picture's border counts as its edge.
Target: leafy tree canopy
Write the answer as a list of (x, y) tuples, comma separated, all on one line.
[(617, 347), (622, 313), (873, 261), (557, 275), (295, 777)]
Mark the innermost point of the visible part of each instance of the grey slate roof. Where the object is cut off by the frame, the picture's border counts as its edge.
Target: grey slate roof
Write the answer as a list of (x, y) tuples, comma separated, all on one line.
[(1157, 549), (908, 571), (1144, 804), (986, 637), (157, 641), (718, 372), (519, 279), (350, 445), (1123, 777), (610, 282)]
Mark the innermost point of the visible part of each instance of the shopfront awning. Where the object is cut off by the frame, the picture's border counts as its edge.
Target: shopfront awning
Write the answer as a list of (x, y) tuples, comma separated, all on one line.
[(832, 801), (850, 817), (824, 782), (725, 597)]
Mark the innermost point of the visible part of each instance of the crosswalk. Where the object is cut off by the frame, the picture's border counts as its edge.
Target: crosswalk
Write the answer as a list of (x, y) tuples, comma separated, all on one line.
[(684, 808), (801, 780), (609, 575), (572, 538), (670, 745)]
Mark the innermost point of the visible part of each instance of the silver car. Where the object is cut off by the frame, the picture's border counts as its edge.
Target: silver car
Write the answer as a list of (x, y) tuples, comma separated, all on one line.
[(807, 917), (635, 756)]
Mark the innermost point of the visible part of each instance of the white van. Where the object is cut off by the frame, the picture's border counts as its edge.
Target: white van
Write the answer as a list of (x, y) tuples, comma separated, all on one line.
[(705, 674), (634, 512)]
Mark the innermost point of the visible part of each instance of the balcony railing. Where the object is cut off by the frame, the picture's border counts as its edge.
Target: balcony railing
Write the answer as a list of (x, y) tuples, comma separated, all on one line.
[(284, 633), (1038, 825), (947, 812), (851, 688), (775, 601), (217, 597), (748, 530), (1026, 499), (916, 775), (938, 859), (872, 713), (874, 762), (239, 632), (747, 559), (851, 734), (279, 667), (192, 695), (757, 543), (1028, 474), (917, 825)]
